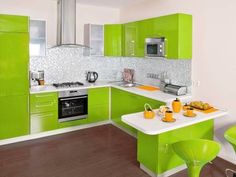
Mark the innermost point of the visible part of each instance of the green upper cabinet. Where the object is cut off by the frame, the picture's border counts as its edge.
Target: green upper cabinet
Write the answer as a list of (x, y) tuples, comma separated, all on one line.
[(113, 40), (12, 23), (131, 39), (177, 30)]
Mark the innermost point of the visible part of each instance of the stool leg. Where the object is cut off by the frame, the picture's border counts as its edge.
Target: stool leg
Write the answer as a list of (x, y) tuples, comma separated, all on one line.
[(194, 171)]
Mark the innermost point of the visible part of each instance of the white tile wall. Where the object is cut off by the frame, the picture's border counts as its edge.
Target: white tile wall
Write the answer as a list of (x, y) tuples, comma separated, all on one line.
[(69, 64)]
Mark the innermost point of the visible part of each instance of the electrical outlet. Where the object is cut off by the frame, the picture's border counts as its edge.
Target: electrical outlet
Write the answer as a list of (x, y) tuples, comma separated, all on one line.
[(196, 83), (152, 76)]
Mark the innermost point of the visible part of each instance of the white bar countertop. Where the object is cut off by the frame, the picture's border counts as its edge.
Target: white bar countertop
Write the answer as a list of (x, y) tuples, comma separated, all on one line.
[(157, 126), (156, 95)]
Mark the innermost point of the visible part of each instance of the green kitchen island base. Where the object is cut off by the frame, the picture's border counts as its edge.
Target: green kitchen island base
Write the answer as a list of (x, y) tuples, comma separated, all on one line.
[(155, 153)]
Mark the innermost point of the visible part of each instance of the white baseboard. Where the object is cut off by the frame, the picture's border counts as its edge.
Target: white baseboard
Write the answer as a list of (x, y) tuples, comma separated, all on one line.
[(50, 133), (126, 131), (166, 174)]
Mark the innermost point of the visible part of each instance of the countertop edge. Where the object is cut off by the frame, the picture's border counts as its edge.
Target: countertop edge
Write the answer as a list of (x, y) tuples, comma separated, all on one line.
[(147, 94), (174, 127)]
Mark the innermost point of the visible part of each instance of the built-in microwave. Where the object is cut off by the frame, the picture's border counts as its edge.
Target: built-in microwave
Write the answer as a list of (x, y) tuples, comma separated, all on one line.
[(155, 47)]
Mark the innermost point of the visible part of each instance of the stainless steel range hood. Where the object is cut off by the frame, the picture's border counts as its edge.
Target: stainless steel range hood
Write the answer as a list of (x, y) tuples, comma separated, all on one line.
[(66, 24)]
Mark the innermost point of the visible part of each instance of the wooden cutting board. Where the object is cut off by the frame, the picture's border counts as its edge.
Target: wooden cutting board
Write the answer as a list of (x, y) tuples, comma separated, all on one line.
[(148, 88)]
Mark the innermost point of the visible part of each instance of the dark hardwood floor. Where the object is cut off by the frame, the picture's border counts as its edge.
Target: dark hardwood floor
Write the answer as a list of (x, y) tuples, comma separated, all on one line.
[(103, 151)]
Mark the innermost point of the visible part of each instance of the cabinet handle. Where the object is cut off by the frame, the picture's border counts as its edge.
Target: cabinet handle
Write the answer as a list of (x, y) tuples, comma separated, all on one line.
[(43, 105), (41, 96), (47, 115)]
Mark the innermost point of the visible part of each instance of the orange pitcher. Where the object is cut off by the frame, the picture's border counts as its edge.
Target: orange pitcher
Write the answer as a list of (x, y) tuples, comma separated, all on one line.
[(176, 105)]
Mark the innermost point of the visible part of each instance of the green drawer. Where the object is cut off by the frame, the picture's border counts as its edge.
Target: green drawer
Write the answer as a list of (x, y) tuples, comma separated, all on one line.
[(41, 122), (43, 102), (43, 97)]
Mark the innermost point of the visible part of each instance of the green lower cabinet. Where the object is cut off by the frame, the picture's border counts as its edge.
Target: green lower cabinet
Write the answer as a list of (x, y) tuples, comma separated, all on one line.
[(14, 116), (155, 151), (123, 102), (98, 113), (45, 121), (43, 112), (98, 104)]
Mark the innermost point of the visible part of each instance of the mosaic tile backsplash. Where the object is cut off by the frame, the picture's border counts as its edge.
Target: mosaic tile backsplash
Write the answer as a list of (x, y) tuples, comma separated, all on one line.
[(69, 64)]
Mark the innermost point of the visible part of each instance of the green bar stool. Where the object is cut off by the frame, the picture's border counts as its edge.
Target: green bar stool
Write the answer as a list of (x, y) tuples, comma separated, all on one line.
[(196, 153), (230, 136)]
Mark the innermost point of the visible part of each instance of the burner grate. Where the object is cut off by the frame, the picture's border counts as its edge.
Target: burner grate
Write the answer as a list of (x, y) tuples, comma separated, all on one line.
[(67, 84)]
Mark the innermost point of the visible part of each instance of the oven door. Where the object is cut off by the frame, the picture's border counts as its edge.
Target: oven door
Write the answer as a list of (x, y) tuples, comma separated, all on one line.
[(73, 108)]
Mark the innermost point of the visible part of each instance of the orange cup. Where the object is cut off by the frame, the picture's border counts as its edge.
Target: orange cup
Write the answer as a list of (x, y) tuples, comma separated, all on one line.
[(189, 111), (169, 116)]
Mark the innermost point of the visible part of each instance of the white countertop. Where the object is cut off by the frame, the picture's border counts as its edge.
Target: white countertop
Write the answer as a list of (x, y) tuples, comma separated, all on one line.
[(156, 95), (157, 126)]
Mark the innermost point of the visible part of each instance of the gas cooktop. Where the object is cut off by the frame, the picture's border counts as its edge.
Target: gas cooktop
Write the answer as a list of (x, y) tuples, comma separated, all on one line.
[(67, 84)]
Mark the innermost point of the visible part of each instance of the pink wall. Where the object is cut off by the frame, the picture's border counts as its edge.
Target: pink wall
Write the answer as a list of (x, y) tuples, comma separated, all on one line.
[(214, 56), (47, 10)]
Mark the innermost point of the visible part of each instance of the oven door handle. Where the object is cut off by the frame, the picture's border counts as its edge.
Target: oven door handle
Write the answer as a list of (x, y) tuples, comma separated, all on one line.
[(74, 98)]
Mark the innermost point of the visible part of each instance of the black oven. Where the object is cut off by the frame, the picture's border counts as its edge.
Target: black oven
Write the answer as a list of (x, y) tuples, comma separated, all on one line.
[(72, 105)]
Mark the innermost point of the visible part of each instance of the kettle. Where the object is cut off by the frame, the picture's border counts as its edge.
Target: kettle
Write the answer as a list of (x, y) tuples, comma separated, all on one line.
[(92, 76)]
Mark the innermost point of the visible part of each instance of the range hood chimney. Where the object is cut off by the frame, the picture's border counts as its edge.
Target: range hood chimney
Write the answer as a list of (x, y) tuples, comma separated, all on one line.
[(66, 24)]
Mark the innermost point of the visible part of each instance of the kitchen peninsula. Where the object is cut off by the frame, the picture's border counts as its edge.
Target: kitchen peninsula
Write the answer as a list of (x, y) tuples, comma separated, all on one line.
[(154, 138)]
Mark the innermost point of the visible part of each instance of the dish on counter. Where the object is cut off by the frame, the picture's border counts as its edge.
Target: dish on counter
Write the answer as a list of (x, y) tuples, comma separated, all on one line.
[(168, 121), (200, 105), (187, 115)]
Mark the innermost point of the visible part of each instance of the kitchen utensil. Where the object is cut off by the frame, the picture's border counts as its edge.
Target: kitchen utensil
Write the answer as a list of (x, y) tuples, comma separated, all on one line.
[(166, 120), (169, 116), (148, 88), (128, 75), (192, 115), (148, 112), (162, 110), (189, 112), (92, 76), (176, 105)]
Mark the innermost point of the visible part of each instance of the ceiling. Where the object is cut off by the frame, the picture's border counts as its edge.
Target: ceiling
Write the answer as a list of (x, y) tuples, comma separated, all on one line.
[(110, 3)]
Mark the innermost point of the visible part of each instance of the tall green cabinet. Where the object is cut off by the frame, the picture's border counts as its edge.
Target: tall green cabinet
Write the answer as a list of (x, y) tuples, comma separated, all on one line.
[(14, 76)]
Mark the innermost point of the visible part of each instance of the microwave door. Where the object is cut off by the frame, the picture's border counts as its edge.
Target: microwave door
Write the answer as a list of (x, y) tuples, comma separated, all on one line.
[(152, 49)]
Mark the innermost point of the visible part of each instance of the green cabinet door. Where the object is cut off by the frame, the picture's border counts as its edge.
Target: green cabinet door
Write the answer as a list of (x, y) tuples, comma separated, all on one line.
[(177, 30), (14, 59), (14, 116), (43, 112), (131, 38), (13, 23), (113, 40), (98, 104), (123, 102)]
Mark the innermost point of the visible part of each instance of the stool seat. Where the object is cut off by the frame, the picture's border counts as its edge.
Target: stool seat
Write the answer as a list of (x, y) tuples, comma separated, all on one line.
[(196, 153), (230, 136)]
